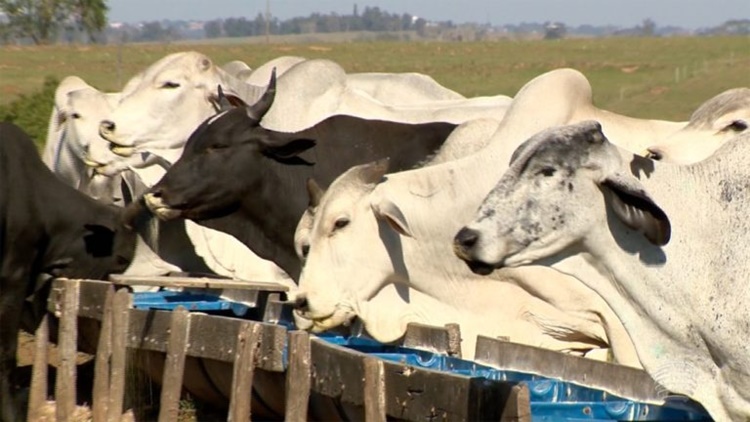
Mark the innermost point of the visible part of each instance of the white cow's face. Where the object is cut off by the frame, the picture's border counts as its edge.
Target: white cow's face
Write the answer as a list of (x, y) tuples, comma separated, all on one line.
[(173, 97), (551, 200), (86, 109), (711, 126), (351, 252)]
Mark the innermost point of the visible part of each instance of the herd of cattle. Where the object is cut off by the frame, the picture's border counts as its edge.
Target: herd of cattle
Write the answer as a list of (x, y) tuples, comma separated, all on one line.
[(392, 199)]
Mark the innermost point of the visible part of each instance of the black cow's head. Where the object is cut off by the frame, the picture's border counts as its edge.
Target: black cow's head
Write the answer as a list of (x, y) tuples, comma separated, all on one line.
[(228, 157)]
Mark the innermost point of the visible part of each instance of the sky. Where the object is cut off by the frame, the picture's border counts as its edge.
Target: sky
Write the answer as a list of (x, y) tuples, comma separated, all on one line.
[(625, 13)]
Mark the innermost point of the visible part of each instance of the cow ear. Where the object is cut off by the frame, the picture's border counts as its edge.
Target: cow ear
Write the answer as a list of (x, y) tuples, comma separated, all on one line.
[(227, 102), (386, 210), (60, 116), (288, 153), (204, 64), (314, 193), (636, 209)]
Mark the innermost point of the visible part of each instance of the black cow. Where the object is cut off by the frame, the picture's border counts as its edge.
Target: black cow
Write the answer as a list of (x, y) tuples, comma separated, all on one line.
[(237, 177), (46, 227)]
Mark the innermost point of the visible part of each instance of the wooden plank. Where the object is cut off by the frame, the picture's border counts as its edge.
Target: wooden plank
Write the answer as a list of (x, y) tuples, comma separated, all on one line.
[(38, 390), (65, 387), (92, 295), (121, 305), (623, 381), (518, 405), (174, 366), (196, 283), (427, 337), (374, 390), (211, 336), (412, 393), (298, 382), (102, 362), (242, 372), (454, 339)]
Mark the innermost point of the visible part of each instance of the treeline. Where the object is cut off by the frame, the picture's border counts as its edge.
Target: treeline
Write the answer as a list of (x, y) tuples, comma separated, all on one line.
[(371, 19)]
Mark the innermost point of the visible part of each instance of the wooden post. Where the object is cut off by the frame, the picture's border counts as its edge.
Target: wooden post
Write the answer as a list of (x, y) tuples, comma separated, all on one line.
[(374, 393), (242, 374), (120, 322), (65, 387), (298, 380), (454, 339), (102, 364), (518, 406), (38, 393), (174, 366)]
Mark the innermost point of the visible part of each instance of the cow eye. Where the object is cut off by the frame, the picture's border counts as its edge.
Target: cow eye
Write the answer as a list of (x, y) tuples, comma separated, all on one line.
[(547, 171), (75, 115), (737, 126), (216, 147), (341, 223), (170, 85)]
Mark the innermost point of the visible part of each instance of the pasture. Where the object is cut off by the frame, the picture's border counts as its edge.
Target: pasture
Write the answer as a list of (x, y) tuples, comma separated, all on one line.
[(663, 78)]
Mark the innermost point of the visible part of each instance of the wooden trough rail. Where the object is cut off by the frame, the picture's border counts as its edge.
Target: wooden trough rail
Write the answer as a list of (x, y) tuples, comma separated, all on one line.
[(379, 388)]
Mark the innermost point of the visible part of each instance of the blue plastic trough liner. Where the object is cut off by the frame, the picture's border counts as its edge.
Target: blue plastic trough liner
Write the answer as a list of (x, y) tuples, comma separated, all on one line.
[(551, 399)]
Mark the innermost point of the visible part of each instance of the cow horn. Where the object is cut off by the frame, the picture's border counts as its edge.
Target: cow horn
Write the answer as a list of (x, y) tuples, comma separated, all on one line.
[(261, 107), (314, 192), (222, 101)]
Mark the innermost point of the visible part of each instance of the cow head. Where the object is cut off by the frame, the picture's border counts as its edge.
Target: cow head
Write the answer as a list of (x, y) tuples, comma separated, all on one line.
[(558, 190), (353, 250), (161, 109), (716, 121), (203, 183)]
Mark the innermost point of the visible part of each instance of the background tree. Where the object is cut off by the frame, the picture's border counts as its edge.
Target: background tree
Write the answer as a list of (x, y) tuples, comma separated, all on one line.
[(89, 16), (648, 28), (43, 20)]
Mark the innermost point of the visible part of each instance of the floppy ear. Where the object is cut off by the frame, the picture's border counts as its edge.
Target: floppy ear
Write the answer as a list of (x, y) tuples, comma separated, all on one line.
[(637, 210), (288, 153), (386, 210)]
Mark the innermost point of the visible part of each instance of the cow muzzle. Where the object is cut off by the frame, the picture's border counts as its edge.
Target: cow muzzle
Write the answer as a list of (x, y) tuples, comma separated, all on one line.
[(464, 246), (317, 321), (159, 208), (107, 131)]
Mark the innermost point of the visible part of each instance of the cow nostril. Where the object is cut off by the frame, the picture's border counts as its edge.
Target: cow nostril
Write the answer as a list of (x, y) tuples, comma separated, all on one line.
[(467, 238), (654, 154), (107, 126), (300, 302), (156, 193)]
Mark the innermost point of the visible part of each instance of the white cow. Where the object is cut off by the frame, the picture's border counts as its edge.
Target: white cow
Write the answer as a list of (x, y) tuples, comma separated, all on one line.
[(174, 96), (314, 90), (428, 205), (664, 245), (73, 137), (389, 88), (716, 121), (237, 68), (400, 89), (262, 74)]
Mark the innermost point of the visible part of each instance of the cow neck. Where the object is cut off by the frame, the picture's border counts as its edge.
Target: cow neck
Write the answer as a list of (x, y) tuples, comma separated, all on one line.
[(676, 304), (267, 216)]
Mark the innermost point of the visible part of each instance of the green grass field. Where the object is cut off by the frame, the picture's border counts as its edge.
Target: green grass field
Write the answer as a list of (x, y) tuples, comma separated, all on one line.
[(642, 77)]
